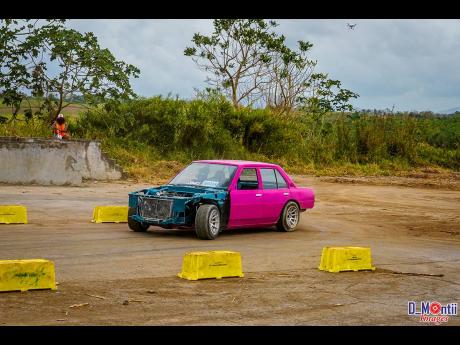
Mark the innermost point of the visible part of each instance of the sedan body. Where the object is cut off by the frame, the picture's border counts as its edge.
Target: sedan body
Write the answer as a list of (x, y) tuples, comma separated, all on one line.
[(231, 194)]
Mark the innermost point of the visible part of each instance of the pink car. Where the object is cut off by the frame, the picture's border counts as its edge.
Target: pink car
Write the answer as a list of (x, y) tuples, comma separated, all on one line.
[(212, 195)]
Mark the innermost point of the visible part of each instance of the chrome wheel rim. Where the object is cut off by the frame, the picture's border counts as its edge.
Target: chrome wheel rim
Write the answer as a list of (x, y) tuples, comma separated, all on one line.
[(214, 222), (292, 216)]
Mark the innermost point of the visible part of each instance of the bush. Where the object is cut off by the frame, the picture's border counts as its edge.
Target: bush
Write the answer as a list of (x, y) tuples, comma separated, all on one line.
[(140, 132)]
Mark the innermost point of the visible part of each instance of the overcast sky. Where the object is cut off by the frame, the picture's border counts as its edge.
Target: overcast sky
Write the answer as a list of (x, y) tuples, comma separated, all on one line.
[(411, 64)]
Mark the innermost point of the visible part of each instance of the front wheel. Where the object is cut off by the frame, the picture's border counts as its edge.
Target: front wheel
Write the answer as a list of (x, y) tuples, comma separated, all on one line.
[(289, 217), (207, 222), (133, 225)]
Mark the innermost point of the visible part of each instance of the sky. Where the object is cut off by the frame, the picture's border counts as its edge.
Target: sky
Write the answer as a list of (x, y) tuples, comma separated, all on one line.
[(411, 65)]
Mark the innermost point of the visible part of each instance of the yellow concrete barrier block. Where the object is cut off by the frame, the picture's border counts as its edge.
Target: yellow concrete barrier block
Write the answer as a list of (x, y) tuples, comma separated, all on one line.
[(23, 275), (13, 214), (338, 259), (211, 264), (110, 214)]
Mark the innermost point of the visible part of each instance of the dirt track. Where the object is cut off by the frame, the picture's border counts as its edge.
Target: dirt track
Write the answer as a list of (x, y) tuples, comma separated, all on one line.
[(412, 230)]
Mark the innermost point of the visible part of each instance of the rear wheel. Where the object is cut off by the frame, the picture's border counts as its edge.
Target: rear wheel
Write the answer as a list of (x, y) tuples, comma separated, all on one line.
[(133, 225), (207, 222), (289, 217)]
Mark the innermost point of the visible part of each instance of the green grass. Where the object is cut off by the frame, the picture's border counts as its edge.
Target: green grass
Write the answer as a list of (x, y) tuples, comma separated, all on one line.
[(72, 111), (21, 128)]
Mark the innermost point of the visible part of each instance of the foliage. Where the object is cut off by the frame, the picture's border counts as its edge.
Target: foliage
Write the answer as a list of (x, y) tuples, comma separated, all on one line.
[(237, 55), (209, 127), (252, 65), (31, 51)]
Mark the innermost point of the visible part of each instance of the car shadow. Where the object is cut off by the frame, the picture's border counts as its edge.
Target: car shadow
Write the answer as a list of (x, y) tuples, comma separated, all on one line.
[(190, 233)]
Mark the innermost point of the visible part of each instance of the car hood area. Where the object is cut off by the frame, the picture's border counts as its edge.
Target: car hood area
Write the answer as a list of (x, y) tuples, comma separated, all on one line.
[(180, 191), (184, 193)]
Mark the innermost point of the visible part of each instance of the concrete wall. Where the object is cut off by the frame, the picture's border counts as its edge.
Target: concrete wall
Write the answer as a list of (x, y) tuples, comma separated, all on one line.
[(54, 162)]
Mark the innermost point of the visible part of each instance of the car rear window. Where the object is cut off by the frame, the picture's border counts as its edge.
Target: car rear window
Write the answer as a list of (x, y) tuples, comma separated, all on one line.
[(272, 179), (280, 180)]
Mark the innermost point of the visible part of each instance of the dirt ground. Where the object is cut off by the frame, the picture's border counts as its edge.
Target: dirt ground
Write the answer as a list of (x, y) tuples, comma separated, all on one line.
[(127, 278)]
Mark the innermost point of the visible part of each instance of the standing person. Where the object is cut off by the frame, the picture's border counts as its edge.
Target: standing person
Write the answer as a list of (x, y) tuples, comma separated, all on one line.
[(60, 130)]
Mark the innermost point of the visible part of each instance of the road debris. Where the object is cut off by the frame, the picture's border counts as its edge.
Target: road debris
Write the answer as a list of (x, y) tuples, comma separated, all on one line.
[(127, 301), (79, 305), (96, 296), (410, 273)]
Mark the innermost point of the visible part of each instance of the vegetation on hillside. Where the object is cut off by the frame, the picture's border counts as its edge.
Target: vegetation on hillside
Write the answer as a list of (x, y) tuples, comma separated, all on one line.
[(140, 133)]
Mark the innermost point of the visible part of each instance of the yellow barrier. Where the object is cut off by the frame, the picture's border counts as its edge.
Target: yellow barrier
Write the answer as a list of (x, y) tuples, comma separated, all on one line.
[(338, 259), (26, 275), (110, 214), (13, 214), (211, 264)]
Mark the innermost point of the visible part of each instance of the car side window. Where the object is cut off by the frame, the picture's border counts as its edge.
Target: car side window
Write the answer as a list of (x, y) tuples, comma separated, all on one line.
[(268, 178), (248, 179), (280, 180)]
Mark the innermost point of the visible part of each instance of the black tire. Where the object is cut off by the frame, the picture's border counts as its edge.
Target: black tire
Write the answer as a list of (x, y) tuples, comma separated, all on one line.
[(206, 218), (285, 223), (133, 225)]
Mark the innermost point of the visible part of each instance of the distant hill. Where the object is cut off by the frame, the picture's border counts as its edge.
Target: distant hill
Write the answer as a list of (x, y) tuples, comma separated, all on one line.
[(449, 111)]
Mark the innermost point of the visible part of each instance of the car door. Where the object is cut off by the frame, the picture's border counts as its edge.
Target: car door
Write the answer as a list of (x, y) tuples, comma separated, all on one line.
[(275, 194), (246, 207)]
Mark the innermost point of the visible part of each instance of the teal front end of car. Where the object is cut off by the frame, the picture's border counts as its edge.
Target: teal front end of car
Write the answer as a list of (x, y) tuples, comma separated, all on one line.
[(171, 206), (197, 198)]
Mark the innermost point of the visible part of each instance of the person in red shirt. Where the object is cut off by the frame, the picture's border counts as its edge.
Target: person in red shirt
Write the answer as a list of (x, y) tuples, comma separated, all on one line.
[(60, 130)]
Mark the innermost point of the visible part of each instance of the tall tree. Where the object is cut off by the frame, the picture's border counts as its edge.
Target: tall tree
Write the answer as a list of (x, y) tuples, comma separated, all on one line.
[(237, 56), (251, 63), (56, 64), (294, 84), (289, 78), (16, 44)]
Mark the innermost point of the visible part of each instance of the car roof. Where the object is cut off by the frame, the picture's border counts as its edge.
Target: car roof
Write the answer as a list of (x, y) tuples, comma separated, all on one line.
[(237, 163)]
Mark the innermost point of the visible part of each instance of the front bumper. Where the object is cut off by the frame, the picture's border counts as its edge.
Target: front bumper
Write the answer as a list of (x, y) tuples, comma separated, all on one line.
[(159, 211)]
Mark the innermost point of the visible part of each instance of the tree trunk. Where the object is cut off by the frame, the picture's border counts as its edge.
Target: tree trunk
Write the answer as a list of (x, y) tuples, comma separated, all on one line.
[(58, 110), (234, 96)]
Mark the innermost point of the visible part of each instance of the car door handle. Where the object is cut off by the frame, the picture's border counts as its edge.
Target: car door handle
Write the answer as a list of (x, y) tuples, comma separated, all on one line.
[(285, 193), (258, 194)]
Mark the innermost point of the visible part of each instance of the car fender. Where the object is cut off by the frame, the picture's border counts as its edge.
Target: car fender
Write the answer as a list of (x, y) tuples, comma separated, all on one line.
[(304, 196)]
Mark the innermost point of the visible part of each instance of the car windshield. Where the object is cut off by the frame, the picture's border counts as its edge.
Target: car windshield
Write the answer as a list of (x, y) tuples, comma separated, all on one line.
[(206, 175)]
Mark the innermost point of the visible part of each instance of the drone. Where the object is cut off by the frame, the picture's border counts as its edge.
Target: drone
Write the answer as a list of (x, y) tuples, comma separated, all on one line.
[(351, 26)]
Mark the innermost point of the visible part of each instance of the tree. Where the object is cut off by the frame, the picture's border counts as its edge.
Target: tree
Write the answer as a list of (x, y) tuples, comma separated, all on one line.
[(293, 84), (237, 56), (325, 95), (57, 64), (251, 63), (288, 78), (15, 71)]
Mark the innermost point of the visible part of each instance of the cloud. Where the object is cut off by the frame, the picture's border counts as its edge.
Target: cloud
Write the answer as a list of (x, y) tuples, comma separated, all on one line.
[(412, 64)]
